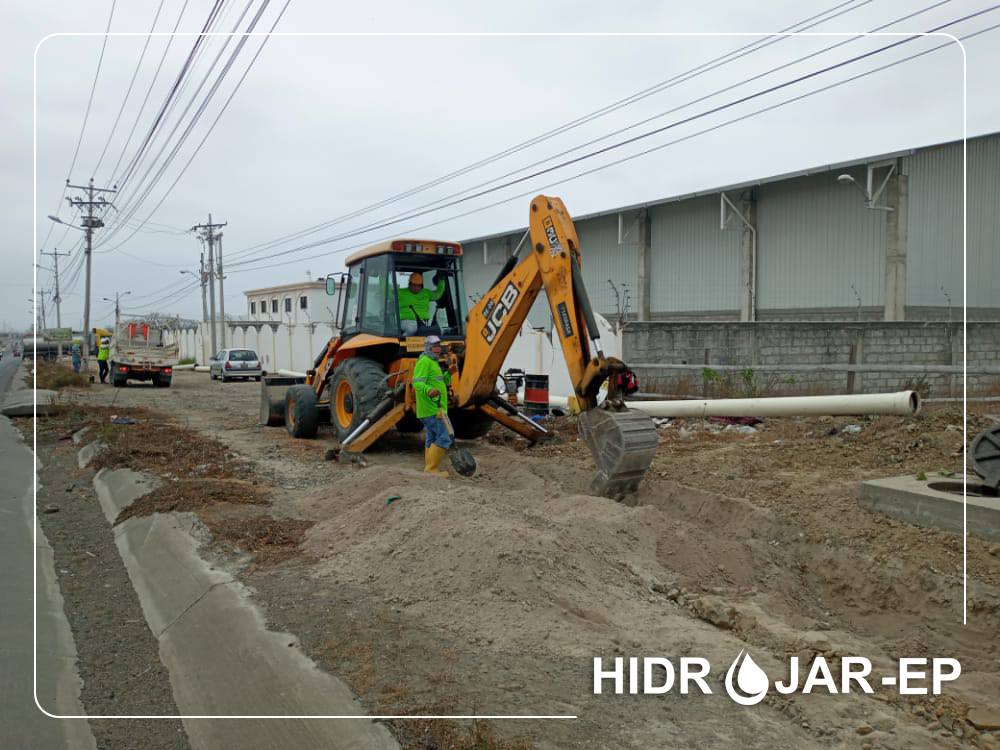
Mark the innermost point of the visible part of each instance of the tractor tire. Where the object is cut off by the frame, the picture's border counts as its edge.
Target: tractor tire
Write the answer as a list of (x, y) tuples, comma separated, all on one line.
[(301, 412), (469, 424), (356, 388)]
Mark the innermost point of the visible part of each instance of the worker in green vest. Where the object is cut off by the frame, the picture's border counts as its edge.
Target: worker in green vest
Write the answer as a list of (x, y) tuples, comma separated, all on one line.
[(103, 352), (415, 302), (430, 385)]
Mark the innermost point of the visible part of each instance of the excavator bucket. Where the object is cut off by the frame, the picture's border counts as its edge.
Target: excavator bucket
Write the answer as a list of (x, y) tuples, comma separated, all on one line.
[(623, 443)]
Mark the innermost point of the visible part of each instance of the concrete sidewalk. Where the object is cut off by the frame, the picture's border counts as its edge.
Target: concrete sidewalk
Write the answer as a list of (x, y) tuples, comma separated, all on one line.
[(22, 724)]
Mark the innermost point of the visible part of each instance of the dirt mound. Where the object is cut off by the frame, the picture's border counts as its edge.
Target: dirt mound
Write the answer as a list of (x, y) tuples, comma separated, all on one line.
[(503, 565)]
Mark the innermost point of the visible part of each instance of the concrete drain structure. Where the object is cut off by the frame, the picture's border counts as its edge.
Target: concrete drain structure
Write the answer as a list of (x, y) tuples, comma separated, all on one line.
[(936, 503)]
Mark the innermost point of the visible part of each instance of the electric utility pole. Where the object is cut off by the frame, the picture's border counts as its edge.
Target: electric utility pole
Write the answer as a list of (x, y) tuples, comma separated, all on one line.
[(117, 301), (209, 235), (222, 292), (57, 299), (203, 275), (90, 222)]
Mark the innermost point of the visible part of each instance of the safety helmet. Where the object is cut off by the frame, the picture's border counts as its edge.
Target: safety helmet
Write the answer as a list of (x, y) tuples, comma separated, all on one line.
[(431, 340), (105, 340), (416, 278)]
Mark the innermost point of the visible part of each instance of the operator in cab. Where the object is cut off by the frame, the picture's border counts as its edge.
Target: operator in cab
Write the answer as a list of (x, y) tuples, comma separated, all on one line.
[(430, 385), (415, 302)]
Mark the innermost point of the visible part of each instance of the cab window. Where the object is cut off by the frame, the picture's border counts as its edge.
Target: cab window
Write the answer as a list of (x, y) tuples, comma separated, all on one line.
[(380, 314)]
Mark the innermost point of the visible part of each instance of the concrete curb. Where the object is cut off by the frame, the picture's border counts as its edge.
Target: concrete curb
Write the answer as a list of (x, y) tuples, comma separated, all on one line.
[(222, 659), (88, 453)]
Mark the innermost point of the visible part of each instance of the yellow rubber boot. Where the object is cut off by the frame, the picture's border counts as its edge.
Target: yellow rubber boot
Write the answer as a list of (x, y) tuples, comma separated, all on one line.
[(432, 460)]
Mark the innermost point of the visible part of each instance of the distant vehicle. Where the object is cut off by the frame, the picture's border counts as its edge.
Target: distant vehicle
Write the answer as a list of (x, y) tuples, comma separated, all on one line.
[(139, 352), (230, 364), (17, 353)]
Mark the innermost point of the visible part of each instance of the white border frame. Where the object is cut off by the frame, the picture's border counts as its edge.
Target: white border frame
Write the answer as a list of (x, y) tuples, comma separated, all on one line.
[(370, 717)]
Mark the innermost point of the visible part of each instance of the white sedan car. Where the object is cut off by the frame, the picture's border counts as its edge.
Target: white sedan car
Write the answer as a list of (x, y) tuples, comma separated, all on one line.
[(229, 364)]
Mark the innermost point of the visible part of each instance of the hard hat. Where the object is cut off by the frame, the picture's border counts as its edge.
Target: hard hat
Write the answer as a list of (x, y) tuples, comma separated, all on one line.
[(431, 340), (416, 278), (105, 340)]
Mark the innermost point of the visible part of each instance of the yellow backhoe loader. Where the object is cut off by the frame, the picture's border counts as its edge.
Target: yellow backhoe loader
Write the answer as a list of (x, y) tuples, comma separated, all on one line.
[(362, 377)]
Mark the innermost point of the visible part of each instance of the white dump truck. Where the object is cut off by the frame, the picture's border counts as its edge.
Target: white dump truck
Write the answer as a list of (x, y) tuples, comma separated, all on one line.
[(139, 351)]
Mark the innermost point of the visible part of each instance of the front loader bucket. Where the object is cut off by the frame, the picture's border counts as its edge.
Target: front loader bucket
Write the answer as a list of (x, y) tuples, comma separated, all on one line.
[(623, 444), (272, 398)]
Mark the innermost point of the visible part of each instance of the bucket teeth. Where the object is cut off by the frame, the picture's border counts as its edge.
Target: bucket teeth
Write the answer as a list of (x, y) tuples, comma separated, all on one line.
[(623, 444)]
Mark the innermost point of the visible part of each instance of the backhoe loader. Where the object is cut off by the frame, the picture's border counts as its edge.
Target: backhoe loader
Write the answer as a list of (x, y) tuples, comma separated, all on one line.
[(362, 376)]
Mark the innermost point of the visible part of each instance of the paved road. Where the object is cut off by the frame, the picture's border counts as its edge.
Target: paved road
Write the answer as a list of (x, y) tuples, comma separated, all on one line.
[(22, 724)]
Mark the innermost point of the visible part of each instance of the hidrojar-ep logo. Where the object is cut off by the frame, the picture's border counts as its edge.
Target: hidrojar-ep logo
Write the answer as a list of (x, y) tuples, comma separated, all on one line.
[(747, 684)]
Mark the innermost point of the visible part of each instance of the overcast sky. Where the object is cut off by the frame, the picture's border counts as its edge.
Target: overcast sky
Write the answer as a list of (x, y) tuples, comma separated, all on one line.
[(326, 126)]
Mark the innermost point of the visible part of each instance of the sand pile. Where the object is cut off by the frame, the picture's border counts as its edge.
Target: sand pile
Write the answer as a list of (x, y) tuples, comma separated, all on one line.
[(495, 564)]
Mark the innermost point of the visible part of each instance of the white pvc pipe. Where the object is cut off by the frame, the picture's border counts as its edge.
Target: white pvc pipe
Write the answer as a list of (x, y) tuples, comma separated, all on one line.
[(291, 373), (201, 368), (906, 403), (183, 367)]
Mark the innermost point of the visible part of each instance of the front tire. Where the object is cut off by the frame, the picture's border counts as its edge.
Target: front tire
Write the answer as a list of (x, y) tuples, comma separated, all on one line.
[(356, 388), (301, 411)]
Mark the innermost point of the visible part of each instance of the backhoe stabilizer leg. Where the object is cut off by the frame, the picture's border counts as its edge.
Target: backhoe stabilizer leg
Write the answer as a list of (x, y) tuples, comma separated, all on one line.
[(623, 443)]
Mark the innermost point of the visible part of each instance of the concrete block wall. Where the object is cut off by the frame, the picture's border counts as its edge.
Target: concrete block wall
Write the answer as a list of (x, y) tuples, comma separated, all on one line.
[(812, 342)]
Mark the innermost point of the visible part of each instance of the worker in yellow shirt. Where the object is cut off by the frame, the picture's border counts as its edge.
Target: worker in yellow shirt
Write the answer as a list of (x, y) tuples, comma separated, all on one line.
[(415, 302), (430, 385), (103, 352)]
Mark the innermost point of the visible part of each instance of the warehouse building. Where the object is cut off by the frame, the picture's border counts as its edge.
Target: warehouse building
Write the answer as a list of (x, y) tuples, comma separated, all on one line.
[(849, 263), (803, 246)]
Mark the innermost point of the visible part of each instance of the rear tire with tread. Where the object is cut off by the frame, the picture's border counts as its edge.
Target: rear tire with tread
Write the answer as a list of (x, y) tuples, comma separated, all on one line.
[(301, 412), (364, 380)]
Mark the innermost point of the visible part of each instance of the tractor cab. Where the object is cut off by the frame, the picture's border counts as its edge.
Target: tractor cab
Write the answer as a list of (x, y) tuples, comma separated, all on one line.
[(401, 288)]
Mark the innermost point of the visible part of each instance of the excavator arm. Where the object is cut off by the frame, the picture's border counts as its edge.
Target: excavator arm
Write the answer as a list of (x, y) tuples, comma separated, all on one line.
[(622, 441)]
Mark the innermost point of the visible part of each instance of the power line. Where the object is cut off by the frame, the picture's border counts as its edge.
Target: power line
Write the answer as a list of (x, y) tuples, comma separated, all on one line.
[(675, 80), (149, 91), (93, 87), (210, 128), (123, 180), (133, 202), (128, 91), (631, 157), (628, 141)]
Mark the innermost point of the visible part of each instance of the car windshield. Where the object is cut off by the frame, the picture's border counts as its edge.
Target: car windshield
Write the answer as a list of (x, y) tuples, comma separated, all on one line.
[(242, 355)]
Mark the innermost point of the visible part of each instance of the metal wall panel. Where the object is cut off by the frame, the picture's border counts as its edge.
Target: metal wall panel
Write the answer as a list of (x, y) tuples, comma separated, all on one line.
[(816, 240), (695, 265), (934, 252), (604, 259)]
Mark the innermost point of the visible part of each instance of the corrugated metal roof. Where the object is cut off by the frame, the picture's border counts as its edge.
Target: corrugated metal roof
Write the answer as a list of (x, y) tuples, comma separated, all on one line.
[(749, 183)]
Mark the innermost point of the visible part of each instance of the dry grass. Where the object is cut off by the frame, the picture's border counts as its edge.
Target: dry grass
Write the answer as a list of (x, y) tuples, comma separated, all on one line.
[(192, 495), (55, 376), (269, 540)]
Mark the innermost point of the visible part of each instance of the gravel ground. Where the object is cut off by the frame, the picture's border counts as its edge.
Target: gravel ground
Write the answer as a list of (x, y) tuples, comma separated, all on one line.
[(118, 655), (491, 594)]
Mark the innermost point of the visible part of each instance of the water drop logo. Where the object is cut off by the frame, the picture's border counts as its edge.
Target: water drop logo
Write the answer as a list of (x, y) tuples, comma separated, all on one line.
[(751, 679)]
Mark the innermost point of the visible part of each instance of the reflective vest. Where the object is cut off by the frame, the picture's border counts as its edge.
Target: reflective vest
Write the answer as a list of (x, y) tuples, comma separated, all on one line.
[(103, 352), (427, 375), (418, 305)]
